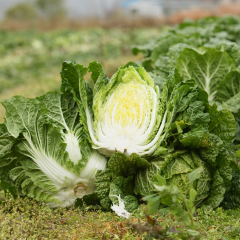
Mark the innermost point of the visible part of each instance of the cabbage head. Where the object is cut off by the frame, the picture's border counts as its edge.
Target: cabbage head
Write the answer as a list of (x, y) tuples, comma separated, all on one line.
[(126, 111), (126, 114), (44, 152), (175, 168)]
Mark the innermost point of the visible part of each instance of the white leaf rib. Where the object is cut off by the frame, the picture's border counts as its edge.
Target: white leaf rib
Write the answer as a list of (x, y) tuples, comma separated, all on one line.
[(152, 145), (57, 174), (91, 130)]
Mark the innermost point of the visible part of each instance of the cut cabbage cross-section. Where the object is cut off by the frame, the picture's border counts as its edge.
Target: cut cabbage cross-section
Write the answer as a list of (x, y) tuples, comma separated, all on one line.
[(127, 115), (56, 164)]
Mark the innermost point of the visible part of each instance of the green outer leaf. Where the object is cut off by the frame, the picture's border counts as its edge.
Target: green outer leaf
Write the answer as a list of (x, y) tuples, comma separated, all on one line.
[(175, 168), (72, 79), (8, 159), (123, 187), (179, 96), (208, 68), (39, 179), (6, 141), (163, 45), (174, 52), (62, 109), (144, 178), (229, 91), (232, 48), (209, 154), (196, 115), (145, 49), (196, 138), (232, 198), (195, 174), (217, 191), (121, 165), (234, 103), (228, 87), (102, 183), (222, 123), (15, 108), (96, 69), (203, 185), (72, 75), (98, 76)]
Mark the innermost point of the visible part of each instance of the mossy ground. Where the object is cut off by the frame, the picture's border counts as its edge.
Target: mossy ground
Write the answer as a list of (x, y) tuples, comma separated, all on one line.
[(24, 218)]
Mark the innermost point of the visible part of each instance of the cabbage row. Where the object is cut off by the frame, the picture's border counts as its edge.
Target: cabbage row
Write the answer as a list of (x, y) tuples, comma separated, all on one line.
[(105, 144)]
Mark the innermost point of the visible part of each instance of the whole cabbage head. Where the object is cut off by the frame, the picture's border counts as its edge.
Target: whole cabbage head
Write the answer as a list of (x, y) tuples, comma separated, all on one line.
[(175, 169)]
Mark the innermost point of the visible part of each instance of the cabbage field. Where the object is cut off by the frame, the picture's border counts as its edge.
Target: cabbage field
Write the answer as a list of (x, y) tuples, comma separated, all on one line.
[(121, 133)]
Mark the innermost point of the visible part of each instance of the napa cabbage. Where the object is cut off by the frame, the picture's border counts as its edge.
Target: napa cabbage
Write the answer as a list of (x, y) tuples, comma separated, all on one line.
[(126, 111), (51, 160)]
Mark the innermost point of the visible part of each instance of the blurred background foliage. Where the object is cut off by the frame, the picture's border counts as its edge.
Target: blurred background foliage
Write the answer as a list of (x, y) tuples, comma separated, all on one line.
[(51, 9), (29, 11), (22, 11)]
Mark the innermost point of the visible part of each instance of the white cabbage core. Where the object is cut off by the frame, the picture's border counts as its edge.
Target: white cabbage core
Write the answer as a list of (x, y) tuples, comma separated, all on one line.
[(83, 185), (129, 118), (72, 147)]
